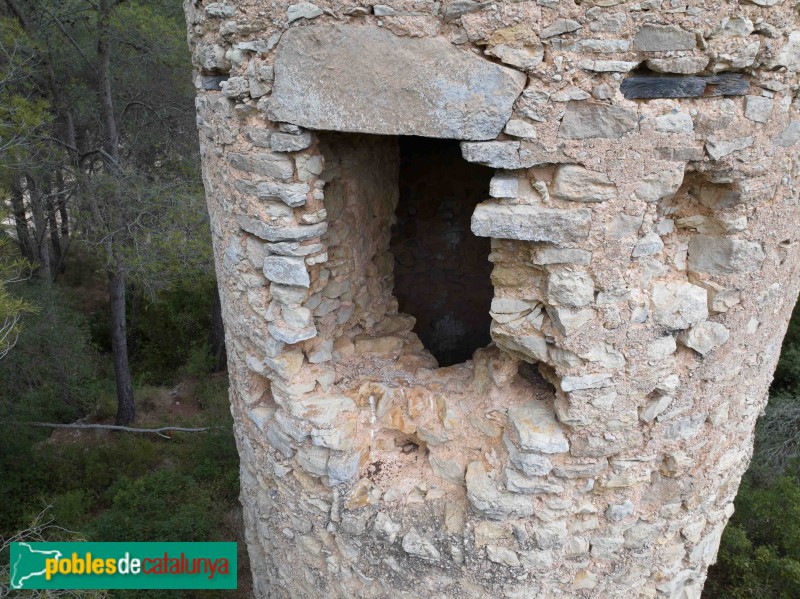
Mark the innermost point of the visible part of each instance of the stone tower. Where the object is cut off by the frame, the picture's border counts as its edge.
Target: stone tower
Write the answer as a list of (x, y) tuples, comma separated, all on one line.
[(584, 210)]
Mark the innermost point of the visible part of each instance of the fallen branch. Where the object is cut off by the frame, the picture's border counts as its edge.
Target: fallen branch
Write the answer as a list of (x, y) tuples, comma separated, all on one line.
[(125, 429)]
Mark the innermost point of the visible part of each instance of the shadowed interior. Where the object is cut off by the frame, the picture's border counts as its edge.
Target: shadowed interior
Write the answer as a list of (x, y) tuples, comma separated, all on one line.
[(441, 271)]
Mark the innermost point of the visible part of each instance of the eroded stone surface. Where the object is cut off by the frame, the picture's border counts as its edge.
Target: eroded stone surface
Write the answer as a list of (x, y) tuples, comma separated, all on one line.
[(346, 78)]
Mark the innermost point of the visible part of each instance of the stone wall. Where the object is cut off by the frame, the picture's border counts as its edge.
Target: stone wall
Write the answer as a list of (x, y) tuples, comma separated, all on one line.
[(645, 264)]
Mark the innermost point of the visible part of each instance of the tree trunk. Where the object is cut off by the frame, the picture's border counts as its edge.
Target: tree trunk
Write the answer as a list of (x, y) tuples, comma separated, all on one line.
[(55, 240), (61, 206), (119, 346), (26, 245), (104, 81), (40, 231), (217, 334)]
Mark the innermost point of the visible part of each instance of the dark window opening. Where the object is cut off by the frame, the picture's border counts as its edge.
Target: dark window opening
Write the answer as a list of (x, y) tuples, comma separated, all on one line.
[(442, 271)]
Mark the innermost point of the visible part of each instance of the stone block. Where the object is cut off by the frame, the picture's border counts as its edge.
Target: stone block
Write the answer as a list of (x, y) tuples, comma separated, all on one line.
[(286, 270), (705, 336), (663, 38), (366, 79), (723, 255), (534, 425), (575, 183), (679, 305), (586, 120), (530, 223)]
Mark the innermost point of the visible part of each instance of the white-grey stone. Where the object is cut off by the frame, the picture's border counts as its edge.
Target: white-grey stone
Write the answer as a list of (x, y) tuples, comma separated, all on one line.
[(663, 38), (504, 185), (680, 65), (235, 87), (343, 466), (578, 184), (534, 425), (660, 349), (789, 55), (659, 185), (326, 77), (313, 459), (569, 320), (569, 94), (519, 483), (522, 58), (520, 128), (497, 154), (674, 122), (606, 355), (607, 66), (573, 289), (386, 527), (719, 148), (545, 256), (449, 470), (286, 270), (276, 166), (789, 136), (586, 381), (502, 555), (757, 108), (648, 245), (321, 410), (279, 232), (559, 27), (654, 407), (552, 535), (291, 194), (487, 499), (585, 120), (220, 10), (617, 512), (531, 464), (509, 305), (288, 142), (287, 294), (678, 305), (532, 346), (303, 10), (280, 441), (723, 255), (705, 336), (530, 223), (600, 46), (736, 27)]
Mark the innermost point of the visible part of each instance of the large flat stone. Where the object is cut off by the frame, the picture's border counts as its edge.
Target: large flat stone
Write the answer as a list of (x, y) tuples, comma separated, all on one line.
[(269, 232), (586, 120), (366, 79), (530, 223), (724, 256), (536, 428)]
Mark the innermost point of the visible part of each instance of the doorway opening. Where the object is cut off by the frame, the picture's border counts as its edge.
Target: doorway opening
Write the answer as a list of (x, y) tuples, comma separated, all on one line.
[(442, 273)]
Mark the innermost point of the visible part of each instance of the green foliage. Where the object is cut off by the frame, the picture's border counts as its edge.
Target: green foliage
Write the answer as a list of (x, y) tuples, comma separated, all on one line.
[(171, 330), (53, 371), (162, 506), (13, 269), (760, 551), (25, 115), (787, 375)]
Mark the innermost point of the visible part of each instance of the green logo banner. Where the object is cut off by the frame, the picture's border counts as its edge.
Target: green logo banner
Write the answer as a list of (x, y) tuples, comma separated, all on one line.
[(123, 566)]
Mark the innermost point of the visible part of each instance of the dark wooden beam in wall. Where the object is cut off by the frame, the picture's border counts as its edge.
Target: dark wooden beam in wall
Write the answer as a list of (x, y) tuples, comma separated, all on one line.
[(648, 87)]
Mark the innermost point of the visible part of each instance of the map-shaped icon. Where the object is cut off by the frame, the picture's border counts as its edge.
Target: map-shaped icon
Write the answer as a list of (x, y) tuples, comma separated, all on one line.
[(27, 563)]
